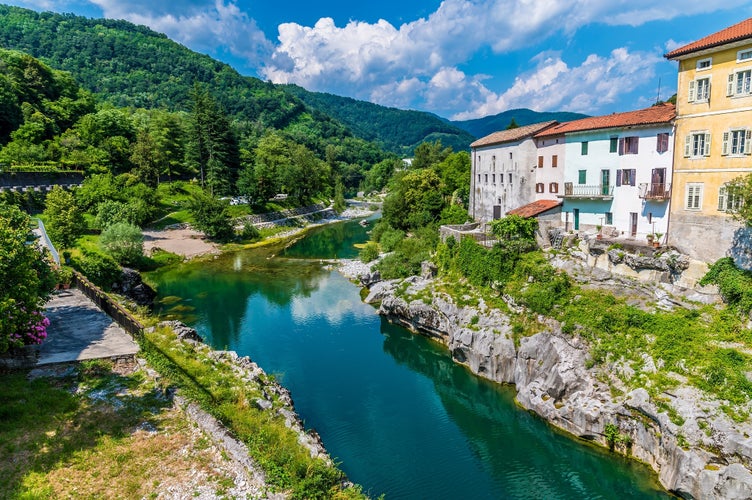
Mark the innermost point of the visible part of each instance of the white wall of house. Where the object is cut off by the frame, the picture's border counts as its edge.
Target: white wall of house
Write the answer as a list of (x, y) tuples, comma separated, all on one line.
[(549, 174), (503, 177), (637, 206)]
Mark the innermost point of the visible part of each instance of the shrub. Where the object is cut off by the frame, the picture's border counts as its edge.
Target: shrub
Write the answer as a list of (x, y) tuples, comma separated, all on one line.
[(390, 238), (102, 270), (734, 284), (370, 252), (249, 232), (123, 242)]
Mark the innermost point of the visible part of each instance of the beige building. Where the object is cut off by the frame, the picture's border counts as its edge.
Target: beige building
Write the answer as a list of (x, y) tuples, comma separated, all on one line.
[(713, 144)]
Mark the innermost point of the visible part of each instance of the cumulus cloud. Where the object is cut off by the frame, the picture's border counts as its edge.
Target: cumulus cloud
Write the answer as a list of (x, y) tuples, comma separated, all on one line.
[(596, 83), (200, 26), (418, 63)]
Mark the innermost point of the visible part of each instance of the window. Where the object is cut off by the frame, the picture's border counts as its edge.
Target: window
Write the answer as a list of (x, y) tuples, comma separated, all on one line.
[(555, 161), (493, 178), (737, 142), (582, 177), (743, 55), (510, 155), (613, 144), (697, 144), (699, 90), (501, 178), (694, 196), (583, 148), (609, 218), (739, 83), (493, 162), (540, 188), (704, 63), (510, 177), (486, 178), (626, 177), (628, 145), (728, 200), (662, 143), (478, 177), (553, 187), (650, 217), (540, 162)]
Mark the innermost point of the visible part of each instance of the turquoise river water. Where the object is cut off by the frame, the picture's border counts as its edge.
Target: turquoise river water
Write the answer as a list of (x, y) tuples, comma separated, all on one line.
[(401, 418)]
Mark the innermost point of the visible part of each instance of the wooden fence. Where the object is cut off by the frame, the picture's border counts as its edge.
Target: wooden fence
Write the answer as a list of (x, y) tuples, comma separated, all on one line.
[(109, 306)]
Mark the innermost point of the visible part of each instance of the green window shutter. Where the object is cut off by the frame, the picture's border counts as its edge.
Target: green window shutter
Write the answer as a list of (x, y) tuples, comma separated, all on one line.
[(613, 144), (582, 178)]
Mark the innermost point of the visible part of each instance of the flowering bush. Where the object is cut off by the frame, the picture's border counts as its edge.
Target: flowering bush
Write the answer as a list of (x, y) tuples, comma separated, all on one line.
[(35, 333)]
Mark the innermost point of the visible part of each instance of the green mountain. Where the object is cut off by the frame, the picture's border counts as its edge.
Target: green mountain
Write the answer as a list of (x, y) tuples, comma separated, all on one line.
[(396, 130), (133, 66), (481, 127)]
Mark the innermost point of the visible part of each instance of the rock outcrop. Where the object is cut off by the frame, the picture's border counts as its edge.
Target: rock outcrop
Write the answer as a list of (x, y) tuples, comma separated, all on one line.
[(708, 456), (131, 286)]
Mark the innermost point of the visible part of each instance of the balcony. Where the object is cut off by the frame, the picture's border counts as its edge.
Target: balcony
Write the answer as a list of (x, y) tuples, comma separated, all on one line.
[(655, 191), (595, 192)]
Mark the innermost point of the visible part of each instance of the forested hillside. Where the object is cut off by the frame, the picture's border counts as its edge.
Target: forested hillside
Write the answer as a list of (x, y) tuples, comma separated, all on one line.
[(396, 130), (481, 127), (129, 65)]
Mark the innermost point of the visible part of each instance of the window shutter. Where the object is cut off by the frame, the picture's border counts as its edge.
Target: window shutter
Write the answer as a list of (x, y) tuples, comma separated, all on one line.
[(633, 177), (748, 142), (691, 97), (540, 162), (690, 195), (722, 199), (687, 145), (618, 178), (725, 148), (636, 145), (706, 150), (621, 146), (730, 86)]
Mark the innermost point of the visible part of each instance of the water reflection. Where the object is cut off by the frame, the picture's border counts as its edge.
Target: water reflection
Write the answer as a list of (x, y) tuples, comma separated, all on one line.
[(520, 451)]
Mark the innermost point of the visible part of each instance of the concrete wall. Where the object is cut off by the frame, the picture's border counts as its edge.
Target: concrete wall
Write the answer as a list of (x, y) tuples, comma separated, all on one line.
[(708, 238), (515, 161)]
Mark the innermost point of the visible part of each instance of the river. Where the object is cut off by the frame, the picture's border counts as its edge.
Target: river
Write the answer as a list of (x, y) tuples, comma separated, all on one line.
[(401, 418)]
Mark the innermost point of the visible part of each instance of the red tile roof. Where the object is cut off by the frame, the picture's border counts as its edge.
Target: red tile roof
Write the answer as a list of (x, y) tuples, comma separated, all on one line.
[(535, 208), (735, 33), (663, 113), (514, 134)]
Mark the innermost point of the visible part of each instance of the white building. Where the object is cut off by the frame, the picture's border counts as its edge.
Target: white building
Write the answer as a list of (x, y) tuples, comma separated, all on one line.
[(504, 166), (549, 174), (618, 171)]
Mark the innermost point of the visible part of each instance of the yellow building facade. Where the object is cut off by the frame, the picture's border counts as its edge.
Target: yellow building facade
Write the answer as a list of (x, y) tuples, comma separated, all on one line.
[(713, 144)]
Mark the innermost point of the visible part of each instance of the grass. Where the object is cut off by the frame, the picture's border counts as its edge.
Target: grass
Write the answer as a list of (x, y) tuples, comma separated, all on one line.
[(230, 398), (83, 435)]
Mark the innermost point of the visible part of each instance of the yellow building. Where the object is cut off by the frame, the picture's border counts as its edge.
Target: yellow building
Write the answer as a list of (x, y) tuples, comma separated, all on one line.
[(713, 144)]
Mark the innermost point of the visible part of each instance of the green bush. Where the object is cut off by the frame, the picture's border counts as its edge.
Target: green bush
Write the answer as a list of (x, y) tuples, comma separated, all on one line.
[(100, 269), (390, 238), (249, 232), (734, 284), (123, 242), (370, 252)]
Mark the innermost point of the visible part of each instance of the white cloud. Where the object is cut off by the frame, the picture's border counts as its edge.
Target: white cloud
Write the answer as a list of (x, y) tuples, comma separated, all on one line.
[(200, 26), (418, 63)]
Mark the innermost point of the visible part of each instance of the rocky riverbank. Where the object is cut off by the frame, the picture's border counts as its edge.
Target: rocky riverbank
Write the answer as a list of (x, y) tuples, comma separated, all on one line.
[(707, 456)]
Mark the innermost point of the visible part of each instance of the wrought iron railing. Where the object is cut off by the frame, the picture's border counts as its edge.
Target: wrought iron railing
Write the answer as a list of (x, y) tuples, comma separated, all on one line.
[(572, 190), (655, 191)]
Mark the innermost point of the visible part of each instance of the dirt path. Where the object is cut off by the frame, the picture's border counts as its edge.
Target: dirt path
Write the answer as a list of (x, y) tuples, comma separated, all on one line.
[(186, 242)]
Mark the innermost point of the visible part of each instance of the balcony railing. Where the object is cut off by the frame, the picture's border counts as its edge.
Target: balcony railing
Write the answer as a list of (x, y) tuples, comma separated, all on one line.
[(572, 190), (655, 191)]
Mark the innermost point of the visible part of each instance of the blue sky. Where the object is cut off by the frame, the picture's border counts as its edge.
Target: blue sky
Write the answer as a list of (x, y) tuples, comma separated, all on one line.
[(460, 59)]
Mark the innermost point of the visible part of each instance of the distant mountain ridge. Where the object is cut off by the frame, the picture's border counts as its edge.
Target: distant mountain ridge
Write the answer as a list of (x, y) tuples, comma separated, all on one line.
[(481, 127), (396, 130)]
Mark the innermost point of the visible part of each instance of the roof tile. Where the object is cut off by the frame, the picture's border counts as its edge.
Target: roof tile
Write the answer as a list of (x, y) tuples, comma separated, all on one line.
[(535, 208), (735, 33), (513, 134), (662, 113)]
